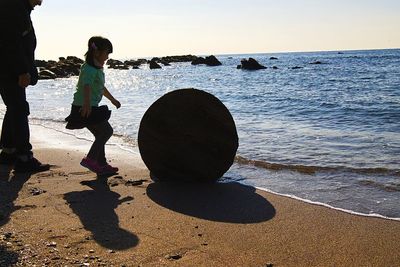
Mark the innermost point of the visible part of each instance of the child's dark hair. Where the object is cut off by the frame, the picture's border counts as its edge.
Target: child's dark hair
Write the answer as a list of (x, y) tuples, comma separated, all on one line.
[(97, 43)]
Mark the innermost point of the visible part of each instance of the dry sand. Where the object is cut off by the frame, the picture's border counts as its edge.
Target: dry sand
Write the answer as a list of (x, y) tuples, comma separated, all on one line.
[(69, 217)]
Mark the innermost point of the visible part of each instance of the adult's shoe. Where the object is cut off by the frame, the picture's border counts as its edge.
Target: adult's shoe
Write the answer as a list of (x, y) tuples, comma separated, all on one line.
[(32, 166)]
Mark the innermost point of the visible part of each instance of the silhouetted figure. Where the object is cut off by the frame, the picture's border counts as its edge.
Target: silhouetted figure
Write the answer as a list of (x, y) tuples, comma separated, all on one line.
[(17, 72)]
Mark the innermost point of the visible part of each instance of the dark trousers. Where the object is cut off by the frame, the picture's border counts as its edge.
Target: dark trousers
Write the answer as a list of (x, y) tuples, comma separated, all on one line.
[(15, 129), (102, 133)]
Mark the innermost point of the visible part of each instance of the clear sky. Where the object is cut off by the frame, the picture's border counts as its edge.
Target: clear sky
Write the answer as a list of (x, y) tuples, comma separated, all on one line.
[(145, 28)]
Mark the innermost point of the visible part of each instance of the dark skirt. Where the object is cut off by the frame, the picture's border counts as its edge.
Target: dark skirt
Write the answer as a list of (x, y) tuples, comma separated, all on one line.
[(76, 121)]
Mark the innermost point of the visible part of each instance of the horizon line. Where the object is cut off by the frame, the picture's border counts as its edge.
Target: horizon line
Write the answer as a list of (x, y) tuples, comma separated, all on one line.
[(248, 53)]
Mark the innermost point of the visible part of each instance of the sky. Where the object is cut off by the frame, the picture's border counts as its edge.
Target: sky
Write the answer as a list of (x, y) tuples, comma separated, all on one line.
[(204, 27)]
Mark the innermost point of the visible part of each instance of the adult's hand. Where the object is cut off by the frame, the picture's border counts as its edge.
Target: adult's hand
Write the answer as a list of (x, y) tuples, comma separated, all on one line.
[(24, 80)]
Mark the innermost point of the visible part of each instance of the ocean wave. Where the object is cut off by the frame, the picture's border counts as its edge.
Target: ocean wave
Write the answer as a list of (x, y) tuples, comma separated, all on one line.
[(130, 141), (314, 169), (388, 187), (48, 120)]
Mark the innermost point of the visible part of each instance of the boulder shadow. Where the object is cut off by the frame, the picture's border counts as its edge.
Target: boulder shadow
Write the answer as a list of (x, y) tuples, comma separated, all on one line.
[(220, 202), (96, 210), (10, 186)]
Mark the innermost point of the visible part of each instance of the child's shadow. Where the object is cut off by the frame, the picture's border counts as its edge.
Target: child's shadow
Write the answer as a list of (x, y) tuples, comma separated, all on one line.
[(96, 210), (9, 190)]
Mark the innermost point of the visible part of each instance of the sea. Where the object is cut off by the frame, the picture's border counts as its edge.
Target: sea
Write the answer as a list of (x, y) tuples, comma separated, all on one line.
[(325, 133)]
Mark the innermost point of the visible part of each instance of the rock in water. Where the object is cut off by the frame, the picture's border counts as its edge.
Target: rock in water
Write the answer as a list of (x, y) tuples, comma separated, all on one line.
[(187, 135), (251, 64)]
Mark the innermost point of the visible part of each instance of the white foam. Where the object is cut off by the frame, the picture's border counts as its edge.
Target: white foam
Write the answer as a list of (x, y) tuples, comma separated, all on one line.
[(71, 140), (374, 215), (49, 138)]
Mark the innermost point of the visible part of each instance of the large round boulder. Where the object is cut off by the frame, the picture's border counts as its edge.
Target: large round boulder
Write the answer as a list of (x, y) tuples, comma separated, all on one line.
[(187, 135)]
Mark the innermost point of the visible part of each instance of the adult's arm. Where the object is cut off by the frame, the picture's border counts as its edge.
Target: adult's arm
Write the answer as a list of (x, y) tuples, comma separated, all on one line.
[(14, 26)]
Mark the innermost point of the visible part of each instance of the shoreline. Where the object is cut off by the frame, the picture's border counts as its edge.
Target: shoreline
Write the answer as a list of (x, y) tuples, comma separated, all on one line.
[(67, 216), (351, 212), (118, 144)]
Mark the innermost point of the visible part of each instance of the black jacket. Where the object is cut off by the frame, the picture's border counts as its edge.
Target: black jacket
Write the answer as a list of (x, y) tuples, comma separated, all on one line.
[(17, 41)]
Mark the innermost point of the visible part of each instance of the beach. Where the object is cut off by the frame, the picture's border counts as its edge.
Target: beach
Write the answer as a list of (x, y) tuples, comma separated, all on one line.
[(330, 128), (69, 217)]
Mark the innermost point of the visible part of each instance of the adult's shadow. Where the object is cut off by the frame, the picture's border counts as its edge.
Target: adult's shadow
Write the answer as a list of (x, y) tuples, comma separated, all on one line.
[(7, 257), (10, 186), (96, 210), (221, 202)]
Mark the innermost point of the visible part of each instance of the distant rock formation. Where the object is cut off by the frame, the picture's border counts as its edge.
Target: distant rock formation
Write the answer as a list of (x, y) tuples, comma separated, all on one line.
[(209, 61), (212, 61), (117, 64), (70, 66), (153, 64), (198, 61), (250, 64), (273, 58), (175, 59), (165, 63), (135, 64), (63, 68)]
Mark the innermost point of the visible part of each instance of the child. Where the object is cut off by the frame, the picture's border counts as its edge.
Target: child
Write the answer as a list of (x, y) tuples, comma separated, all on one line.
[(85, 110)]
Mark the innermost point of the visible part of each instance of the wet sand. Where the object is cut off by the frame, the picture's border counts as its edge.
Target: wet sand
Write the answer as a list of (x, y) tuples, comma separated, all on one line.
[(69, 217)]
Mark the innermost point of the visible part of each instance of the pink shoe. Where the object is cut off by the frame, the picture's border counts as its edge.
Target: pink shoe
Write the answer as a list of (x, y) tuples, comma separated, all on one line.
[(107, 170), (91, 165)]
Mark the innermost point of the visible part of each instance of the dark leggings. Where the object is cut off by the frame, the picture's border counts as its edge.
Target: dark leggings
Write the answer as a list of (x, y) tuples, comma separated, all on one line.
[(15, 129), (102, 133)]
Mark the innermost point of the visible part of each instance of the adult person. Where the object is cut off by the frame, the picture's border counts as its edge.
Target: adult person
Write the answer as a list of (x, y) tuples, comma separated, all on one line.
[(17, 72)]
